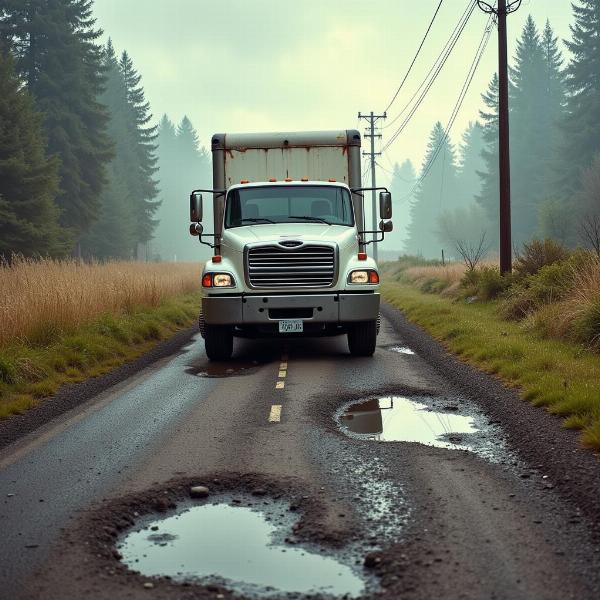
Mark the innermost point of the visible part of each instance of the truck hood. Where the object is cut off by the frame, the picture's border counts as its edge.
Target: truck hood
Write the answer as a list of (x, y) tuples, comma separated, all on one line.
[(235, 239)]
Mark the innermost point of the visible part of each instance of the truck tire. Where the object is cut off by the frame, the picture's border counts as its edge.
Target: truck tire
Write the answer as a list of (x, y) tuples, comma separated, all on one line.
[(362, 338), (218, 341)]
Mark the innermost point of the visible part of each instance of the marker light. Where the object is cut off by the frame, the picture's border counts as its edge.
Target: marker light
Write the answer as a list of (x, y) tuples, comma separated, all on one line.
[(207, 280), (244, 181), (362, 256), (217, 258), (304, 179), (332, 180), (288, 179), (272, 179)]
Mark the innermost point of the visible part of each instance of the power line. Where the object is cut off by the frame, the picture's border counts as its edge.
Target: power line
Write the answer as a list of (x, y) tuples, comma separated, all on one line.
[(414, 60), (437, 65), (432, 80), (463, 92)]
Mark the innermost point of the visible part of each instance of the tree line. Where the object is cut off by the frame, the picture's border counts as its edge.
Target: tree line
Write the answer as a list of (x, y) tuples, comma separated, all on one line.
[(555, 151), (79, 156)]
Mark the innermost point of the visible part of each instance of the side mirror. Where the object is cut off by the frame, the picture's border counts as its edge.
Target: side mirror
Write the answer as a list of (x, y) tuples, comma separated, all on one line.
[(386, 226), (385, 205), (196, 229), (196, 207)]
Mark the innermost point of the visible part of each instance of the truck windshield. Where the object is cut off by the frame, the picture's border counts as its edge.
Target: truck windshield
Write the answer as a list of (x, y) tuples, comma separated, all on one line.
[(330, 205)]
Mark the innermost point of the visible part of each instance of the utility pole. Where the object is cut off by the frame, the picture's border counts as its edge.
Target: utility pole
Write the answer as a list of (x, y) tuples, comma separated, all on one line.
[(501, 11), (372, 119)]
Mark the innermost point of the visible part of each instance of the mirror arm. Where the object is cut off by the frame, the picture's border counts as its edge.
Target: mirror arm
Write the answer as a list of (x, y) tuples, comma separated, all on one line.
[(212, 235), (368, 189), (377, 232)]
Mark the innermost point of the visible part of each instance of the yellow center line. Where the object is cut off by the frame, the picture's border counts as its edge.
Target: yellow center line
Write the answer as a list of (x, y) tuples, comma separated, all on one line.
[(283, 366), (280, 385), (275, 414), (282, 374)]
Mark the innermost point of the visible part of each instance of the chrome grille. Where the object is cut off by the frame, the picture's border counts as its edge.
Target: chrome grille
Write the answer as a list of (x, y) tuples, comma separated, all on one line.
[(307, 266)]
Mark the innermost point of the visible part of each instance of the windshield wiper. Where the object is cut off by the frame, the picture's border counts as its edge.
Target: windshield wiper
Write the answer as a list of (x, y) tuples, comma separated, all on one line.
[(258, 220), (317, 219)]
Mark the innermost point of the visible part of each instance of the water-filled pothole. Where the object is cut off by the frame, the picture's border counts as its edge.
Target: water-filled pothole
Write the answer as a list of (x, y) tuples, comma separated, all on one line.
[(397, 419), (239, 547), (226, 369)]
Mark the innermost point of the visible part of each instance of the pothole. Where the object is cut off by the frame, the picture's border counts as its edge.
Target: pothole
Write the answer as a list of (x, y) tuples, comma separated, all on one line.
[(226, 369), (402, 350), (242, 548), (436, 423)]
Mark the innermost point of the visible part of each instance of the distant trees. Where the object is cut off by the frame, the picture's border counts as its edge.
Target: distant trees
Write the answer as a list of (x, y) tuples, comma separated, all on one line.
[(537, 107), (437, 192), (581, 126), (28, 179), (403, 181), (183, 166), (126, 217), (54, 44)]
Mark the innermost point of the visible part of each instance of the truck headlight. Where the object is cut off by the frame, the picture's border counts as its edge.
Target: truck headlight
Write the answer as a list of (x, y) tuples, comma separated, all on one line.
[(363, 277), (219, 280)]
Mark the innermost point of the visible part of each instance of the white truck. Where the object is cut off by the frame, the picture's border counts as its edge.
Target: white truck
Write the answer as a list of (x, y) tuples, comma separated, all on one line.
[(289, 241)]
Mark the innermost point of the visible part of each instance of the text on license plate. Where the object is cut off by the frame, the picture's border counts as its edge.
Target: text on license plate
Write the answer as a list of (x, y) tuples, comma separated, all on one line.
[(291, 326)]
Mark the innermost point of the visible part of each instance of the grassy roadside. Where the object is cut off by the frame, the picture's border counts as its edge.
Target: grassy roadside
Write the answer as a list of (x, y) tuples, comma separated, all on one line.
[(560, 375), (31, 369)]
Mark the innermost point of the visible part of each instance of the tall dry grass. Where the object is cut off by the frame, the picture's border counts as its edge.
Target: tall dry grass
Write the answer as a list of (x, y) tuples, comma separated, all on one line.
[(450, 275), (38, 296)]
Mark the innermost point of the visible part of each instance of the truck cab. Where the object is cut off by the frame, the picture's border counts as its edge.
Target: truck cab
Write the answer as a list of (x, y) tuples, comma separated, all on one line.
[(289, 241)]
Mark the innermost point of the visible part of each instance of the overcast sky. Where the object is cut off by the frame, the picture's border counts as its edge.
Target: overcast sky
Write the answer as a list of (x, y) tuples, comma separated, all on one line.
[(268, 65)]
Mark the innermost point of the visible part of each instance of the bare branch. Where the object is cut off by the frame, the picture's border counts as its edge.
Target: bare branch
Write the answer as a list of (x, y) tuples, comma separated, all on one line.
[(590, 232), (472, 253)]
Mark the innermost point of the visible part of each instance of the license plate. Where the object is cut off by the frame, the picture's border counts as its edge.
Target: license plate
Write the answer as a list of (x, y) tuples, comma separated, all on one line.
[(291, 326)]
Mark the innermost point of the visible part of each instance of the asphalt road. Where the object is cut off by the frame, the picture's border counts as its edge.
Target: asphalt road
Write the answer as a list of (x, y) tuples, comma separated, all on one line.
[(437, 522)]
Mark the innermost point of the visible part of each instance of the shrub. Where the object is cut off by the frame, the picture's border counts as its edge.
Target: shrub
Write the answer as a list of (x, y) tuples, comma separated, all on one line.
[(587, 327), (485, 282), (538, 254)]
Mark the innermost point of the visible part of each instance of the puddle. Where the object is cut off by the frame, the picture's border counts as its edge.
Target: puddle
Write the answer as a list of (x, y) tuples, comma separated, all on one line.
[(401, 350), (239, 547), (397, 419), (227, 369)]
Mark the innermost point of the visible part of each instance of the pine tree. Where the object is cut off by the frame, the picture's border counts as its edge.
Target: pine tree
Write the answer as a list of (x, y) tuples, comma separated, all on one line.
[(404, 178), (467, 222), (582, 124), (489, 198), (28, 179), (113, 235), (436, 193), (471, 164), (140, 160), (57, 56)]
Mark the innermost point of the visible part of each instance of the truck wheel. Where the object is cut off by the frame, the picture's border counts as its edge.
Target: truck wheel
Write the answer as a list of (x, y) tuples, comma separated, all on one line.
[(218, 341), (362, 338)]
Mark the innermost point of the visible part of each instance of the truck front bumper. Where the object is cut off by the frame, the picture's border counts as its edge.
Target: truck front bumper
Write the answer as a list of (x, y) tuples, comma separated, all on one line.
[(264, 309)]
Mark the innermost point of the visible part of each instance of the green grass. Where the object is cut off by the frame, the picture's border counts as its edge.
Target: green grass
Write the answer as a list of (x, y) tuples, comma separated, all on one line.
[(560, 376), (33, 370)]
